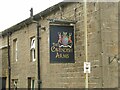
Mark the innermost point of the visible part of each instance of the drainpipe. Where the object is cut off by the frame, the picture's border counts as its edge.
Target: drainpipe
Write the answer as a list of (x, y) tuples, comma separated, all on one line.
[(38, 55), (9, 66), (38, 48), (86, 48)]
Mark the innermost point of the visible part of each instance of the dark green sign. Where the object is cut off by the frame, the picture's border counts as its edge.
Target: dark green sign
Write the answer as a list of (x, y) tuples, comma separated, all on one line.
[(61, 44)]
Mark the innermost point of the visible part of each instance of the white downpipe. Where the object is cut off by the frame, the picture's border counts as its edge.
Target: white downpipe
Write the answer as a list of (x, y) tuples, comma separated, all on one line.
[(86, 48)]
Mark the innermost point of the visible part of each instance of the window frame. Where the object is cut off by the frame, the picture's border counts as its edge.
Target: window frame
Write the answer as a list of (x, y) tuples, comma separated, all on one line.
[(15, 49), (31, 83), (15, 83), (32, 49)]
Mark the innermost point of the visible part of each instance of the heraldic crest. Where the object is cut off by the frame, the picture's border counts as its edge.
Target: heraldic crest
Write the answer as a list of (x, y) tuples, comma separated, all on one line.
[(65, 39)]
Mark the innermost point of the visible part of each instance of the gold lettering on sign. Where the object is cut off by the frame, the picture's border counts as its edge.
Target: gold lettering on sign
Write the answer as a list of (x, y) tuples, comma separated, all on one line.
[(61, 52), (60, 55), (58, 49)]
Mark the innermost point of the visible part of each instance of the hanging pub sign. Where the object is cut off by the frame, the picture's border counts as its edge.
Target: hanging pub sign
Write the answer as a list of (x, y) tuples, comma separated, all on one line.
[(61, 44)]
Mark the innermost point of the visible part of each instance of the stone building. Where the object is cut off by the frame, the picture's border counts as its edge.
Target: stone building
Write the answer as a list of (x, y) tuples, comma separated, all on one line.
[(103, 43)]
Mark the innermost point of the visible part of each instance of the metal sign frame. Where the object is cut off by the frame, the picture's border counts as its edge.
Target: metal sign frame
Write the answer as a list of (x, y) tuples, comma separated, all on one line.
[(62, 60)]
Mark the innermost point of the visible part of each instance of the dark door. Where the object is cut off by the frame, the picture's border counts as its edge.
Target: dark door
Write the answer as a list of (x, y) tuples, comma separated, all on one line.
[(3, 83), (0, 83)]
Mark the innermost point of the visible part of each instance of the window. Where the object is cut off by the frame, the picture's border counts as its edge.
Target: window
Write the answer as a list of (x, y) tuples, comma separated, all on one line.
[(31, 83), (32, 49), (15, 82), (15, 48)]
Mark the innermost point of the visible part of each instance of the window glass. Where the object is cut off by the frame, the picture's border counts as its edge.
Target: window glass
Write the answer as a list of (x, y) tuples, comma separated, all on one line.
[(15, 49), (32, 49)]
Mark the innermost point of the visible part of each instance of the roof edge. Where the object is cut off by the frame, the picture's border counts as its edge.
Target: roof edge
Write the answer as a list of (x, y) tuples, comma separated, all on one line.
[(28, 21)]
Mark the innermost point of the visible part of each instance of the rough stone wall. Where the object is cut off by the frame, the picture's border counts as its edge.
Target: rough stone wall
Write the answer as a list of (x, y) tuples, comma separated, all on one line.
[(3, 58), (109, 33), (71, 75), (4, 62), (94, 44), (119, 44), (23, 68), (0, 58), (102, 43)]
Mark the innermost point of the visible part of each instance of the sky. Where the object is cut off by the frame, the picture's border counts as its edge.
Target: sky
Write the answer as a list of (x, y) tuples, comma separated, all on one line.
[(15, 11)]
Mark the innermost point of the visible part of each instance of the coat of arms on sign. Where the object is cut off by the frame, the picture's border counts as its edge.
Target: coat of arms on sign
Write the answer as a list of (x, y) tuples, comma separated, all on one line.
[(61, 44), (65, 39)]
